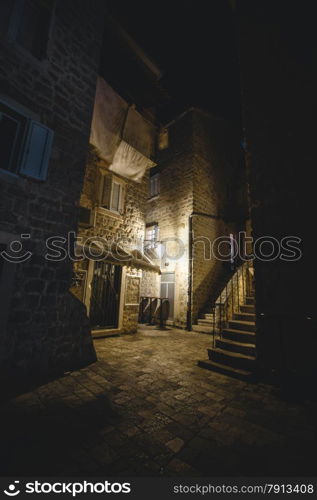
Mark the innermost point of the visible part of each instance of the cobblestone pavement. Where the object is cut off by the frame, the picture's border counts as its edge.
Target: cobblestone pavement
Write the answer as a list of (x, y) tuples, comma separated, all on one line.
[(145, 408)]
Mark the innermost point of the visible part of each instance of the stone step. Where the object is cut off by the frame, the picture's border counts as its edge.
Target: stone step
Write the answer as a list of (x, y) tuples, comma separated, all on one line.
[(245, 316), (208, 316), (250, 301), (206, 322), (245, 375), (247, 309), (237, 324), (202, 329), (239, 335), (233, 345), (233, 359)]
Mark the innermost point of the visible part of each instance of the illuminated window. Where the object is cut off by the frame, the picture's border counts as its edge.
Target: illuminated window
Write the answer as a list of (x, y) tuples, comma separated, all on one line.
[(162, 140), (151, 236)]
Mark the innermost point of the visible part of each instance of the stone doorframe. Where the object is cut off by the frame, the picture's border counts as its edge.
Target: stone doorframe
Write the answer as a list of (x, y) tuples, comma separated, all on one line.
[(121, 302)]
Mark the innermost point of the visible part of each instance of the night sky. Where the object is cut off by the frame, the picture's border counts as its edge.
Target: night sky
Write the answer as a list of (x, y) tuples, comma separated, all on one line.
[(193, 43)]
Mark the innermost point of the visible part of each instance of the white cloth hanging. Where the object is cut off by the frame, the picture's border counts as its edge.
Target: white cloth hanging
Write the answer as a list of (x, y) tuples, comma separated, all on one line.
[(130, 163), (124, 139), (107, 121)]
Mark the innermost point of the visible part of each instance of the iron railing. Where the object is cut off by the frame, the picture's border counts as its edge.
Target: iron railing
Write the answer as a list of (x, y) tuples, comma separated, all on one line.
[(154, 310), (232, 296)]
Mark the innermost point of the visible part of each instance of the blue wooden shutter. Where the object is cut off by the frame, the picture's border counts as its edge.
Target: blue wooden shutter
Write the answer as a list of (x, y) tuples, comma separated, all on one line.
[(37, 151)]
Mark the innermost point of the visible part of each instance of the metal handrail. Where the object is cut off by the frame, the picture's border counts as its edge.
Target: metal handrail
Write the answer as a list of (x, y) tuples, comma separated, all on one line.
[(151, 308), (232, 295)]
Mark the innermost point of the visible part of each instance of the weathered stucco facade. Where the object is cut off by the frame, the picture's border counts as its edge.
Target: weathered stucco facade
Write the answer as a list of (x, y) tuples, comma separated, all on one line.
[(44, 328)]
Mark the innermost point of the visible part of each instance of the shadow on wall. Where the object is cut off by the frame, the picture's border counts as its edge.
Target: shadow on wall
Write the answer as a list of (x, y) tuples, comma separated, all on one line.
[(207, 290), (65, 346)]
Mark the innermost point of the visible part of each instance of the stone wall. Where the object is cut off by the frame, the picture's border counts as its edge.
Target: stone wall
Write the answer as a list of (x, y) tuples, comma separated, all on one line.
[(47, 329), (172, 208), (200, 171), (150, 284), (126, 229), (218, 191)]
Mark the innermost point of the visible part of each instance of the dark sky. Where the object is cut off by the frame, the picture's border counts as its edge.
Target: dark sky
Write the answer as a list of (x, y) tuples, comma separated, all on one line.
[(193, 42)]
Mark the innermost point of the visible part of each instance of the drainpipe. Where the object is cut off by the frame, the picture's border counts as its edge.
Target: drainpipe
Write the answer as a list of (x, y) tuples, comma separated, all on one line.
[(190, 261)]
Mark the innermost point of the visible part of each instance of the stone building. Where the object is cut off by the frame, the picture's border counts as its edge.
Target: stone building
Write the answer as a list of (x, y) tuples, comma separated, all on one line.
[(48, 69), (196, 195), (113, 206)]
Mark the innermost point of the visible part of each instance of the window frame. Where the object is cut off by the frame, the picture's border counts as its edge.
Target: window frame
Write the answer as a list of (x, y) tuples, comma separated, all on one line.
[(21, 157), (154, 192), (151, 244), (11, 35), (163, 139), (121, 203)]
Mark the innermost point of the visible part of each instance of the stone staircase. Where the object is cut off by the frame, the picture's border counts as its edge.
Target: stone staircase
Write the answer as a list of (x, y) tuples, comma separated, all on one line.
[(234, 353)]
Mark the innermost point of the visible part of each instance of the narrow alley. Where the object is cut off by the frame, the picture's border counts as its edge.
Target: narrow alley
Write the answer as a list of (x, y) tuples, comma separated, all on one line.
[(146, 408)]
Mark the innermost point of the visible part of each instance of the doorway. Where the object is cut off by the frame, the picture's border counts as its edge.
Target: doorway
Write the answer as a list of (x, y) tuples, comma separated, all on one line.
[(168, 291), (105, 295)]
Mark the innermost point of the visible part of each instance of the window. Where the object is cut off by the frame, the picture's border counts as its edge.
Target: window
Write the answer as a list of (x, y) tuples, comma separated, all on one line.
[(162, 140), (28, 22), (25, 144), (154, 185), (151, 236), (112, 193), (115, 196), (85, 217)]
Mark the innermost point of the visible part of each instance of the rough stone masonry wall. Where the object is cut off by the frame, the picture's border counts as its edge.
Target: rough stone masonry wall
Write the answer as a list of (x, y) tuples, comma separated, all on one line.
[(279, 86), (47, 329), (126, 229), (216, 192), (172, 208), (200, 172)]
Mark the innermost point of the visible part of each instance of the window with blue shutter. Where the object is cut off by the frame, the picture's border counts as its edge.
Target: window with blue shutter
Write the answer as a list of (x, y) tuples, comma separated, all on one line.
[(37, 151), (25, 144)]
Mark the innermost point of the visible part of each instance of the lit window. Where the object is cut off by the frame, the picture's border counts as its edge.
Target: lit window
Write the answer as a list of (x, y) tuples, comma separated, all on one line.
[(112, 193), (154, 185), (162, 140), (25, 144), (151, 236)]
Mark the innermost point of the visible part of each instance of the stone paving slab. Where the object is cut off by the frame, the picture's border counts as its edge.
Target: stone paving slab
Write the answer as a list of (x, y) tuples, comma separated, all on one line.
[(146, 409)]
